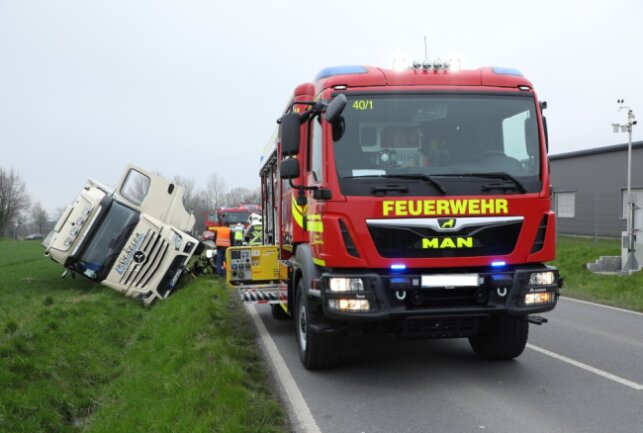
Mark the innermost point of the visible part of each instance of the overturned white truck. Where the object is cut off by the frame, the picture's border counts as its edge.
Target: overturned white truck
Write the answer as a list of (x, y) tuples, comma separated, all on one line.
[(134, 238)]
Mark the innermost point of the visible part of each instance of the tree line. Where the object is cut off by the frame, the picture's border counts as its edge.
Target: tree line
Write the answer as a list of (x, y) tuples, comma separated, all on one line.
[(215, 195), (19, 215)]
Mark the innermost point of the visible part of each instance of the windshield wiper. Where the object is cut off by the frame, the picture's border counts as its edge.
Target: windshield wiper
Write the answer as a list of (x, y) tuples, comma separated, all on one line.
[(513, 182), (418, 176)]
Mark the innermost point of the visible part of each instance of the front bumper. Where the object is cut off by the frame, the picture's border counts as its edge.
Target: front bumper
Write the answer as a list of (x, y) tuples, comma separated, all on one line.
[(402, 295)]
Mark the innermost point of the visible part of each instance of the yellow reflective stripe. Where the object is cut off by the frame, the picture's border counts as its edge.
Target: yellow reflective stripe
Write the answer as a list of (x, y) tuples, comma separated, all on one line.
[(314, 226), (319, 262), (314, 223), (298, 212)]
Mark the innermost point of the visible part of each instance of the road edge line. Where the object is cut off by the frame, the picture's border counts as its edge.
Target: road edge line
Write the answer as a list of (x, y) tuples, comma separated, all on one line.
[(589, 368), (300, 410), (596, 304)]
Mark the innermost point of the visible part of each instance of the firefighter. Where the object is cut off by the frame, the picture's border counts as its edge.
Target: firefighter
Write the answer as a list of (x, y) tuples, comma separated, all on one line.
[(222, 242), (237, 235), (254, 232), (254, 217)]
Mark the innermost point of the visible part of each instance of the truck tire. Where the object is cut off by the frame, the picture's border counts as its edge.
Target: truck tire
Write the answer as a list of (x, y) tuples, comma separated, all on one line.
[(278, 313), (317, 349), (504, 337)]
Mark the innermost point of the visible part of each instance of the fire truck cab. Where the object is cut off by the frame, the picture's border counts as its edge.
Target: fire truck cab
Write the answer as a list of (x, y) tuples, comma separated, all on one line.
[(413, 201)]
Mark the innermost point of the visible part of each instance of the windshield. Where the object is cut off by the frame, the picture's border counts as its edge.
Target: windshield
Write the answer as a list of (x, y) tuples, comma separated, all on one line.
[(444, 137), (106, 242), (235, 217)]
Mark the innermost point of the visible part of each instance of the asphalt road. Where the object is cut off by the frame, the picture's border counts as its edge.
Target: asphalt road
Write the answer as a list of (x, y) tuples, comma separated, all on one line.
[(581, 372)]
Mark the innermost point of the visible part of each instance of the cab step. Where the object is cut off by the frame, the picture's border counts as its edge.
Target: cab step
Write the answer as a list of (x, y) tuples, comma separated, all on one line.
[(537, 320)]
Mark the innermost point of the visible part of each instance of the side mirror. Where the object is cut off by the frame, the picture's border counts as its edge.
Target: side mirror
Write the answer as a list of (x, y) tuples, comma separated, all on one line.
[(543, 107), (289, 132), (289, 168), (546, 133), (335, 109)]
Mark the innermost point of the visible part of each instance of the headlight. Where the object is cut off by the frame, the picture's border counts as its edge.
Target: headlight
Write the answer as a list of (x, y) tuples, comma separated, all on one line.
[(542, 278), (346, 285), (361, 305), (539, 298)]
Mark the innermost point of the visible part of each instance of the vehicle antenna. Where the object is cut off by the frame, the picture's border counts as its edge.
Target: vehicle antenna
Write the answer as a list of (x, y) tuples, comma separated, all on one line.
[(426, 50)]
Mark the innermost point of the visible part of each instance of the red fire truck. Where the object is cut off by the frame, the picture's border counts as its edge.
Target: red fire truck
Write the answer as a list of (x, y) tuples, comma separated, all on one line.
[(230, 215), (413, 201)]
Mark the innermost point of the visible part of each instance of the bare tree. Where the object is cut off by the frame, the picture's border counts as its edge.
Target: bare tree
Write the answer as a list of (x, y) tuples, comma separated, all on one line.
[(188, 191), (200, 205), (240, 195), (253, 196), (39, 216), (58, 213), (216, 191), (13, 197), (17, 223)]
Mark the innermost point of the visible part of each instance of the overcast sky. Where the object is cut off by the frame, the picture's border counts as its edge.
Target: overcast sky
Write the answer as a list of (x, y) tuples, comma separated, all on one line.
[(193, 88)]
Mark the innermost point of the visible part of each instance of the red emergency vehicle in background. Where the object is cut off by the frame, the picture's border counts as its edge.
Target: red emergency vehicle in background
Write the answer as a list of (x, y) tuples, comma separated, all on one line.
[(413, 201), (230, 215)]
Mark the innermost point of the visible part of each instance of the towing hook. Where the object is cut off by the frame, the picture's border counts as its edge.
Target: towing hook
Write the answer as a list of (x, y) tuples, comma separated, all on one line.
[(400, 294), (501, 291), (416, 297), (481, 296)]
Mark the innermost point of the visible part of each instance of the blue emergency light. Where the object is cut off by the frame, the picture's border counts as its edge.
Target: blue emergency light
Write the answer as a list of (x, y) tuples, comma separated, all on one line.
[(506, 71), (340, 70)]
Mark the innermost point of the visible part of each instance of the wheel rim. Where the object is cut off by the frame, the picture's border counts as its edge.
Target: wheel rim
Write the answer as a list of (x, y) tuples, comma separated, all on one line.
[(301, 329)]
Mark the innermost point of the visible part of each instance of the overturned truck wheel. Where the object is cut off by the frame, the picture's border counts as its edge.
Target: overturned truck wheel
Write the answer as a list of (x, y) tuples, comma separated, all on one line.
[(504, 337), (318, 349)]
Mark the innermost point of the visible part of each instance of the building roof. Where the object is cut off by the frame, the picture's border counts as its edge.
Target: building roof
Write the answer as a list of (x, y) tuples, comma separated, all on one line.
[(596, 151)]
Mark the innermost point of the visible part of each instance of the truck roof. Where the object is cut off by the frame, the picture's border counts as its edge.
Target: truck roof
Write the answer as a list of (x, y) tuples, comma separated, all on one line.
[(353, 76)]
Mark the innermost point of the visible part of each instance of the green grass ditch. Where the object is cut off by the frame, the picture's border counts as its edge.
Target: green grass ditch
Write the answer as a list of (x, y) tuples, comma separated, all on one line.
[(78, 357)]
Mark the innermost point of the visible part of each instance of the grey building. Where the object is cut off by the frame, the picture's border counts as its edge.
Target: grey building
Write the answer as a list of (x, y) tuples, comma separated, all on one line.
[(590, 186)]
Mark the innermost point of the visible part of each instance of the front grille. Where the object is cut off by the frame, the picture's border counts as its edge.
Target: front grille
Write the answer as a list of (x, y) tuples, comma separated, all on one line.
[(438, 298), (439, 327), (155, 249), (407, 242)]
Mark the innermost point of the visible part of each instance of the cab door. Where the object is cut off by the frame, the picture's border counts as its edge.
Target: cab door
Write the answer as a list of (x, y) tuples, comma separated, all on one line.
[(155, 196)]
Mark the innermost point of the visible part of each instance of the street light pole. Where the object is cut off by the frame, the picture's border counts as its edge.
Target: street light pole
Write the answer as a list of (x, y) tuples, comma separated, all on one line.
[(631, 263)]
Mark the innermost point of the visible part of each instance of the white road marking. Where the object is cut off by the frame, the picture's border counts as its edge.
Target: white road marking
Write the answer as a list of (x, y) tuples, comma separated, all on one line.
[(305, 420), (609, 307), (602, 373)]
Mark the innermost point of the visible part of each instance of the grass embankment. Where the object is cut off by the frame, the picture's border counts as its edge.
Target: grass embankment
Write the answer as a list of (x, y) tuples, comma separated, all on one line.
[(78, 357), (620, 291)]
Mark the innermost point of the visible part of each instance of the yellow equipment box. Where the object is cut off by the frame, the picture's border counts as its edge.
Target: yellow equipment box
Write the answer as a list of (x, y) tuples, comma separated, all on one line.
[(254, 265)]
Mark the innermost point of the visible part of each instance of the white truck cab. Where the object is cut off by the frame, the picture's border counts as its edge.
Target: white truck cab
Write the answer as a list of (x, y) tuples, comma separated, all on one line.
[(134, 238)]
